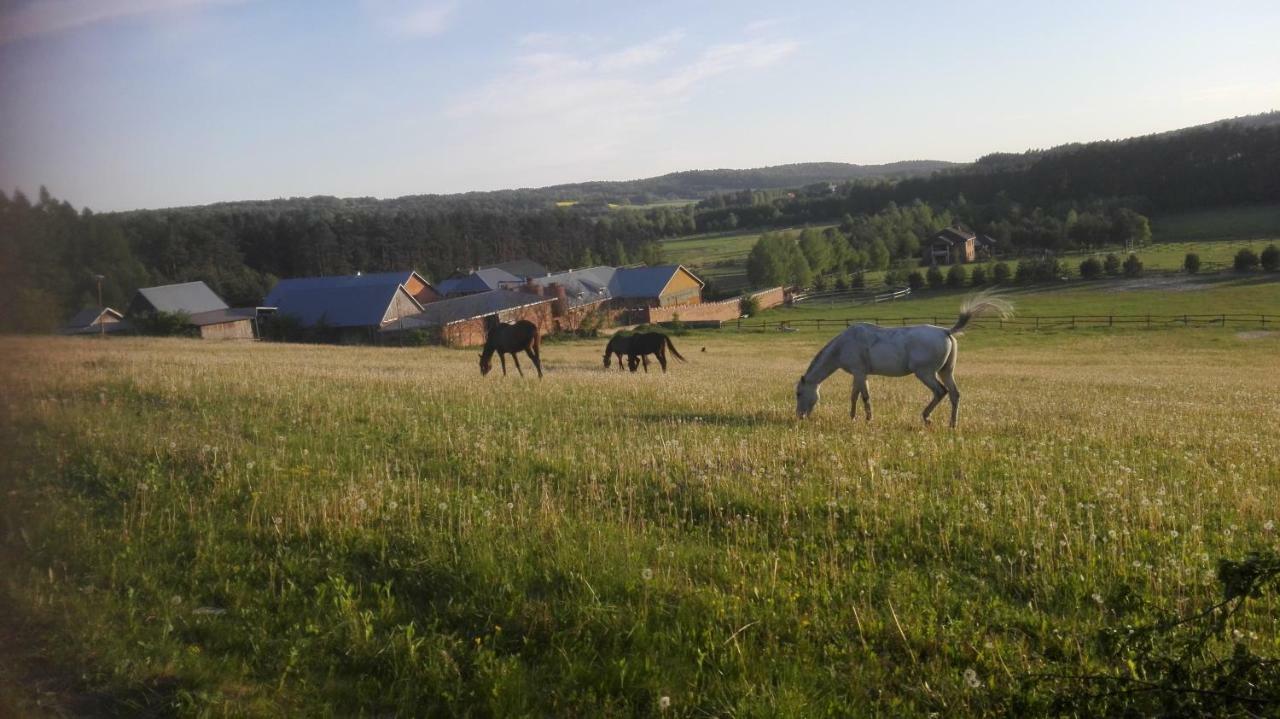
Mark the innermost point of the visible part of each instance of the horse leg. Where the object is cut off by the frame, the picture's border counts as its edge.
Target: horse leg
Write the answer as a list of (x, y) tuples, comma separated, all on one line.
[(645, 360), (949, 380), (502, 357), (930, 379), (859, 391), (661, 354), (536, 359), (515, 357)]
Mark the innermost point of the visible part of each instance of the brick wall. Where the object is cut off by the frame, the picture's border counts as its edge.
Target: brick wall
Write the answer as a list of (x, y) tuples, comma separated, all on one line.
[(723, 311)]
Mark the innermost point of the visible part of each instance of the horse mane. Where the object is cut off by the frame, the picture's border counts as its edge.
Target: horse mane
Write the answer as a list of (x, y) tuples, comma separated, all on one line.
[(822, 354), (979, 304)]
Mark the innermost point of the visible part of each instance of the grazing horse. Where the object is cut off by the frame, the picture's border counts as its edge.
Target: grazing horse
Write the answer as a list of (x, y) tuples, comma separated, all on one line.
[(927, 351), (618, 345), (640, 346), (509, 339)]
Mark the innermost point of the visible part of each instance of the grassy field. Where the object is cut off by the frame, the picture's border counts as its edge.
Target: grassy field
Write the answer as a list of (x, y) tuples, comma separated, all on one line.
[(1238, 223), (719, 256), (1225, 293), (243, 529)]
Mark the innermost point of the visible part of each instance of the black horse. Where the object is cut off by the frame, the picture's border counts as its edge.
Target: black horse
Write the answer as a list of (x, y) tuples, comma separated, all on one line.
[(638, 347), (509, 339)]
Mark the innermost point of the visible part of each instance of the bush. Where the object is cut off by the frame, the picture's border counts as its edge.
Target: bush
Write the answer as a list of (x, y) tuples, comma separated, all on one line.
[(1045, 269), (164, 324), (1271, 258), (915, 280), (1000, 273), (893, 277), (1132, 266), (935, 278), (749, 305), (1111, 265), (956, 276), (859, 281), (1192, 263), (979, 276), (842, 281), (1246, 260), (1091, 269)]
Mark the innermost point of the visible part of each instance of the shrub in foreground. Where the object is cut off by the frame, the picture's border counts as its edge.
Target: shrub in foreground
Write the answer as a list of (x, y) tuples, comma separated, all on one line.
[(1246, 260), (1192, 263), (1270, 258)]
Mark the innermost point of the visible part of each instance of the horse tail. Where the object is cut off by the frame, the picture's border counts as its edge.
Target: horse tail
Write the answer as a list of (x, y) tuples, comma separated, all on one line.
[(673, 349), (977, 305)]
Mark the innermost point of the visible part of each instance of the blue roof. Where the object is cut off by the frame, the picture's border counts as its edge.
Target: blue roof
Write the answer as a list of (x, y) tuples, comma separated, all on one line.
[(469, 307), (344, 301), (644, 281)]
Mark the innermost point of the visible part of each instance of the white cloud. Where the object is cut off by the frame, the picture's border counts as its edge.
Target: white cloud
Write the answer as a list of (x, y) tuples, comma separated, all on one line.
[(413, 18), (43, 17), (556, 113)]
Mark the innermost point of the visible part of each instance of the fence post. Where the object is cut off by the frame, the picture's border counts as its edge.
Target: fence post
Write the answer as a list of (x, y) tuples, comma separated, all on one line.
[(846, 322), (1111, 320), (1185, 321), (1224, 320), (1037, 321), (1148, 320), (1073, 321), (819, 324)]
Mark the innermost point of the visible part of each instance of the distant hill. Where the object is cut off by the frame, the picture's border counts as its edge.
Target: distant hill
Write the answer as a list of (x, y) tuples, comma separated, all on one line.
[(685, 185)]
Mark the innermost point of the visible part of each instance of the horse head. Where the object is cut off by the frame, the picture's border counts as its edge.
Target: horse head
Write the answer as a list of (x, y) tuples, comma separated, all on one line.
[(806, 398), (486, 363)]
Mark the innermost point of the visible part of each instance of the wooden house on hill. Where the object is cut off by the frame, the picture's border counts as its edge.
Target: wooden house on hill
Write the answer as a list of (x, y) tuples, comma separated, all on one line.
[(952, 246)]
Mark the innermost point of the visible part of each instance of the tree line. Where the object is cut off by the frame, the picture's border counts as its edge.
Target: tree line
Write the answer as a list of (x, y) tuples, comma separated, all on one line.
[(51, 253)]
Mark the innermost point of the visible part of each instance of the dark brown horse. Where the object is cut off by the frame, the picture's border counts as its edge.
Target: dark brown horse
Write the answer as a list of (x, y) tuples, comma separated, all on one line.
[(509, 339), (637, 348)]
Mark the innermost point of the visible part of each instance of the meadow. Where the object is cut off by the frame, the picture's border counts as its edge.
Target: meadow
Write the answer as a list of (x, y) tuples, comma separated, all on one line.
[(202, 528)]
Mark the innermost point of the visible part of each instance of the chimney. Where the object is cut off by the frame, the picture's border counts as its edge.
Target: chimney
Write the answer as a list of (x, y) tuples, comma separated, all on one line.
[(561, 304)]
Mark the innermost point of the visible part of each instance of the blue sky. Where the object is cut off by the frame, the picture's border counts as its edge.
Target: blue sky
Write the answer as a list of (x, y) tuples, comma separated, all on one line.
[(120, 104)]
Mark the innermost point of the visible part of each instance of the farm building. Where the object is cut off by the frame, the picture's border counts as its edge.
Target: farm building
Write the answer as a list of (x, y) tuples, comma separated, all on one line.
[(350, 307), (204, 309), (482, 280), (460, 321), (95, 320), (629, 287), (952, 246), (984, 246), (523, 269)]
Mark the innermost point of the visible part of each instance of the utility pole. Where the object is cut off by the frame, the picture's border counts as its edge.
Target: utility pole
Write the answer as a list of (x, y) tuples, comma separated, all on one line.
[(102, 326)]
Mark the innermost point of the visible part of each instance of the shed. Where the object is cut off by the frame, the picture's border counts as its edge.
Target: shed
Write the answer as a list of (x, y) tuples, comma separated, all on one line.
[(95, 320), (206, 312), (658, 286), (522, 269)]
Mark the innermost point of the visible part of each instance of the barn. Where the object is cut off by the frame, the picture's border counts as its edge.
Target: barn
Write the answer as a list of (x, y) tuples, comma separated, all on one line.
[(207, 313), (485, 279), (95, 320), (460, 321), (350, 308)]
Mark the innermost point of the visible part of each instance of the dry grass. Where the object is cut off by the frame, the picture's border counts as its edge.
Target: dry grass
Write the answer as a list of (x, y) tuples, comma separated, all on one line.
[(267, 528)]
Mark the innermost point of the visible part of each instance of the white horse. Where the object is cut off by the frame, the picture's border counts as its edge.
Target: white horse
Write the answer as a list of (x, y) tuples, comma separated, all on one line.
[(927, 351)]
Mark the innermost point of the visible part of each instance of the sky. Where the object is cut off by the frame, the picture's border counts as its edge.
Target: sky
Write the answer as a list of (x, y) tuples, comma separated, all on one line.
[(124, 104)]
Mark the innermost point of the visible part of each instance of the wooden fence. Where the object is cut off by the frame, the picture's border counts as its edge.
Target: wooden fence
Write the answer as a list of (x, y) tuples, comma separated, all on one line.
[(1024, 323)]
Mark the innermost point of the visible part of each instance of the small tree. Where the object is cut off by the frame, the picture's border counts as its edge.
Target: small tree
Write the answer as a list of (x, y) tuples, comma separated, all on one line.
[(859, 281), (842, 281), (1246, 260), (979, 276), (1192, 263), (935, 278), (749, 305), (956, 276), (1000, 273), (1271, 258), (1111, 265), (915, 280), (1091, 269), (1132, 266)]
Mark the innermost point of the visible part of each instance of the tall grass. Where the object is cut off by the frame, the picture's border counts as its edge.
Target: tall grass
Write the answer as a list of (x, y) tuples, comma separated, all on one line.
[(256, 529)]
